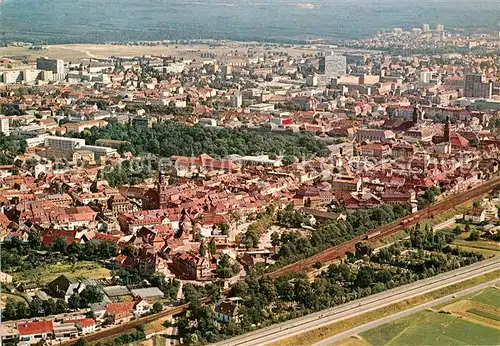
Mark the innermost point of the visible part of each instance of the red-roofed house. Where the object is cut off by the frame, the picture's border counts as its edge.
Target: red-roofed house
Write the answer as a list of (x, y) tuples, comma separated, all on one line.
[(374, 135), (33, 332), (86, 325), (104, 236), (375, 150), (69, 236), (120, 311), (191, 266), (458, 141)]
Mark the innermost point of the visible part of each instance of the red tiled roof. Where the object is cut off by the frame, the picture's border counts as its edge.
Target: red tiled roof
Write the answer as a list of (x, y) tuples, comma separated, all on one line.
[(87, 322), (107, 237), (458, 141), (39, 327), (475, 212), (120, 307)]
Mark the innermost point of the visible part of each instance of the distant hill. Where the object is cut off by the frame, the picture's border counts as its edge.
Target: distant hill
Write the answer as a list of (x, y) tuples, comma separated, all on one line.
[(97, 21)]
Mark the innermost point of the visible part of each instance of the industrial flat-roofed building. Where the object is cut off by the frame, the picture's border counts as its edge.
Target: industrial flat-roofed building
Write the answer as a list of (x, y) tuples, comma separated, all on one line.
[(148, 293), (261, 107)]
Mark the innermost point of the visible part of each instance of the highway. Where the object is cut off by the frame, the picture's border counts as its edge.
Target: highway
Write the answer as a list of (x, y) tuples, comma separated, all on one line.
[(357, 307), (387, 319)]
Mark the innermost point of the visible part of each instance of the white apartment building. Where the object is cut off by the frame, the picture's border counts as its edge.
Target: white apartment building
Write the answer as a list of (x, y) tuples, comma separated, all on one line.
[(4, 126), (64, 143)]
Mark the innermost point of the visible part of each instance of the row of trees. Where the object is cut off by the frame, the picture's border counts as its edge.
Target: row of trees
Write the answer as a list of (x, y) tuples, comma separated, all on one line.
[(137, 335), (17, 309), (169, 138), (294, 246), (251, 238)]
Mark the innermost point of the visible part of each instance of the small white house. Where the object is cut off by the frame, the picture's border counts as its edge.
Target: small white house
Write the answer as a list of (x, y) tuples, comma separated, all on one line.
[(5, 278), (142, 307), (86, 326), (475, 215), (227, 312)]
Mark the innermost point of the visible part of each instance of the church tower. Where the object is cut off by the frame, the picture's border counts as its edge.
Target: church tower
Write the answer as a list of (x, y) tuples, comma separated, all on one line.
[(446, 135), (162, 190), (418, 114)]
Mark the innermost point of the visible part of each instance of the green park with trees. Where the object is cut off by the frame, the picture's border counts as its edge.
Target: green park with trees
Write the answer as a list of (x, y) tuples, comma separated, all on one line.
[(169, 138)]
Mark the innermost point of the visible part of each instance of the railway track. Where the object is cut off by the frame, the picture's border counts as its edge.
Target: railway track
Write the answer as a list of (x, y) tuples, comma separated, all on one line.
[(120, 329), (389, 229), (324, 256)]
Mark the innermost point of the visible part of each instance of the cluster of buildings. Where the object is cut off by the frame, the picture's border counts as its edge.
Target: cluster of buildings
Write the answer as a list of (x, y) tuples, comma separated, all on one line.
[(425, 38), (119, 304), (394, 127)]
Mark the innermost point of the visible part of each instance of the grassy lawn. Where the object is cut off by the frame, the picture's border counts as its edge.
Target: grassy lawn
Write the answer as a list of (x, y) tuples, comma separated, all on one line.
[(480, 244), (486, 253), (47, 273), (485, 247), (490, 296), (14, 297), (483, 313), (314, 336), (432, 328), (460, 209), (352, 341)]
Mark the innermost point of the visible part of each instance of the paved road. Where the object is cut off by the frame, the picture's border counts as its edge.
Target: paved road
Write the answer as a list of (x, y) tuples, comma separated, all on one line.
[(384, 320), (357, 307)]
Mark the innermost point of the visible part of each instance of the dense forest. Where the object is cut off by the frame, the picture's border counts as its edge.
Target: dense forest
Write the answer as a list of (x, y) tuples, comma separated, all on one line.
[(169, 138)]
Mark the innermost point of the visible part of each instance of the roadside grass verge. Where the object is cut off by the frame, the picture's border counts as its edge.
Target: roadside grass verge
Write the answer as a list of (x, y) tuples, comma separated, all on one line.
[(483, 313), (352, 341)]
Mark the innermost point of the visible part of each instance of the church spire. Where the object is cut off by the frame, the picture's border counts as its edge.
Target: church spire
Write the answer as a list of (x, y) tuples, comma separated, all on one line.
[(446, 135)]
